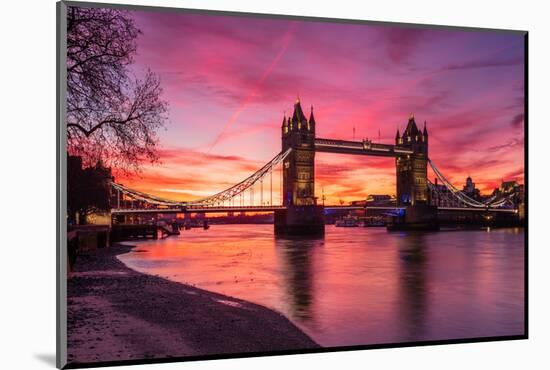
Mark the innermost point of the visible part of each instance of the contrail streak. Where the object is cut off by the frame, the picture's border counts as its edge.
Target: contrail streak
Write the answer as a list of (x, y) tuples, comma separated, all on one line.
[(286, 41)]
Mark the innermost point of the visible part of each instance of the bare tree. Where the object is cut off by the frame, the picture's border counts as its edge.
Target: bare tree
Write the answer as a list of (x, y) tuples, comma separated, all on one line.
[(112, 115)]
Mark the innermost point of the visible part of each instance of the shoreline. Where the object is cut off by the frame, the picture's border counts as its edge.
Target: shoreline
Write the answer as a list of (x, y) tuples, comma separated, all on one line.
[(115, 313)]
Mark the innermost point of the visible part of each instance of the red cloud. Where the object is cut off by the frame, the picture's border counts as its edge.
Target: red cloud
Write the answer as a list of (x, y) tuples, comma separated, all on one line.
[(229, 79)]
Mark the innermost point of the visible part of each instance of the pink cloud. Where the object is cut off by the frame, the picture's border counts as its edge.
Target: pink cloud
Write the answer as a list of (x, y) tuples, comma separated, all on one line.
[(228, 81)]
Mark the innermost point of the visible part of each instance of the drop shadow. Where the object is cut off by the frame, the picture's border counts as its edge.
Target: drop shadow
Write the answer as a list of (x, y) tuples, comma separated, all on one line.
[(46, 358)]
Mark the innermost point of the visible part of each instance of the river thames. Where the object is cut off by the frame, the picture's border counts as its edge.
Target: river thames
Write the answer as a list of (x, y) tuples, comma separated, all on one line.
[(358, 285)]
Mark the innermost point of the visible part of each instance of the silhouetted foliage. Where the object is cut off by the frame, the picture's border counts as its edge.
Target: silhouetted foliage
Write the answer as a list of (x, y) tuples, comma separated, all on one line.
[(112, 115), (88, 189)]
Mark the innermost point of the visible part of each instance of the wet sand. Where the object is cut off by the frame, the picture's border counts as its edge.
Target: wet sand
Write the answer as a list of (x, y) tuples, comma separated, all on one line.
[(116, 313)]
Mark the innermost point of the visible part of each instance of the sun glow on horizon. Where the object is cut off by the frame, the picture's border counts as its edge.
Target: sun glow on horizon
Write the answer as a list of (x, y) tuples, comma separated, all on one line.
[(227, 101)]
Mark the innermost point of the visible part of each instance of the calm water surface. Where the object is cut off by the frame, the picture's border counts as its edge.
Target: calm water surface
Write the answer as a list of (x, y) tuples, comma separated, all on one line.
[(357, 285)]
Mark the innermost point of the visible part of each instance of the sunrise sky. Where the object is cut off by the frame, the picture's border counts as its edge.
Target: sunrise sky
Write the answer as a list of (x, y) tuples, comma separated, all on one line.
[(229, 80)]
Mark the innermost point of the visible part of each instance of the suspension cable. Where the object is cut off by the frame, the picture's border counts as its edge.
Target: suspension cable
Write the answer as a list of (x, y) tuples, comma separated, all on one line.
[(218, 198), (492, 202)]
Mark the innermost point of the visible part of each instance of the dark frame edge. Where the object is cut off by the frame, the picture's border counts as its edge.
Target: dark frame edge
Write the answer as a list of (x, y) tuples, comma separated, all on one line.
[(61, 187), (526, 181)]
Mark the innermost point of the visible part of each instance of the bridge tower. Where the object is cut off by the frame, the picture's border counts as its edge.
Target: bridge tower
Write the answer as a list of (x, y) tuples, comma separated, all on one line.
[(302, 215), (298, 133), (412, 169), (412, 177)]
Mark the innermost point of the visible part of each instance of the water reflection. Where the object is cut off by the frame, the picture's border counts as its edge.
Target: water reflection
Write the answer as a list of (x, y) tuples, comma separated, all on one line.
[(357, 285), (296, 258), (412, 278)]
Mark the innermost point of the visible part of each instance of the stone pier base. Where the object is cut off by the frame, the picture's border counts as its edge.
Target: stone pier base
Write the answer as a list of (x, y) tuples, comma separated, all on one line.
[(300, 220), (417, 217)]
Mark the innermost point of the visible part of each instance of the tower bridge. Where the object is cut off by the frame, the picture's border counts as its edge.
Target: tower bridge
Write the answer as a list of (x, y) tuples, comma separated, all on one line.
[(303, 215), (299, 211)]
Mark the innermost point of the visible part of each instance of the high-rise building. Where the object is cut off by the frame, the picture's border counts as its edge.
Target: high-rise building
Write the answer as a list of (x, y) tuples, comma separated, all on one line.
[(470, 189)]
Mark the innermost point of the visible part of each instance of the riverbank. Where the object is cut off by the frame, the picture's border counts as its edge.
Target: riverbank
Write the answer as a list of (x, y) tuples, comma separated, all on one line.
[(115, 313)]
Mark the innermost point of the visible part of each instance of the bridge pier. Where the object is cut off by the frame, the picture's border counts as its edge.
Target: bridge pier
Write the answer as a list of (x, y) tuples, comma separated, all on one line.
[(415, 217), (300, 220)]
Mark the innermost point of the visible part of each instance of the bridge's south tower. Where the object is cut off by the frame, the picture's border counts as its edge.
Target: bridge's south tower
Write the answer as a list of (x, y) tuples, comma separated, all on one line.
[(412, 179), (302, 215), (412, 169)]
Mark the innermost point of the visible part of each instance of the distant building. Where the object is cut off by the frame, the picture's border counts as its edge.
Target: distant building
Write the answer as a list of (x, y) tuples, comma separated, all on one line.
[(509, 186), (513, 188), (511, 192), (374, 200), (470, 189), (360, 203), (441, 196), (380, 198)]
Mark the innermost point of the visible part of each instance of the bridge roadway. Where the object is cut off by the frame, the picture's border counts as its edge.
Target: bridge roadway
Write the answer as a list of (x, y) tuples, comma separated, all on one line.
[(212, 209), (360, 148), (221, 209)]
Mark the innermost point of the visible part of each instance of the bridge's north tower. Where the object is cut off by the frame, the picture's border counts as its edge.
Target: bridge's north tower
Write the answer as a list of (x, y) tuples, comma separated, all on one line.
[(298, 133), (302, 215)]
